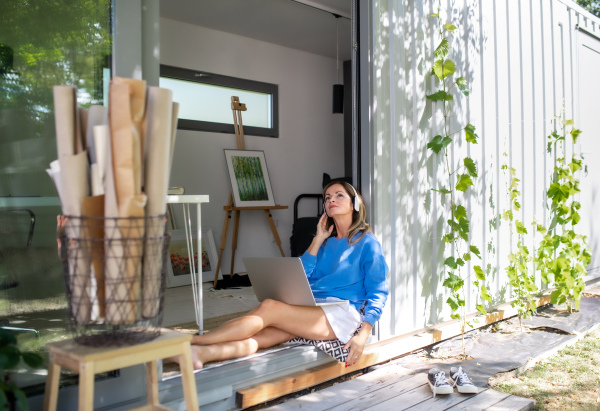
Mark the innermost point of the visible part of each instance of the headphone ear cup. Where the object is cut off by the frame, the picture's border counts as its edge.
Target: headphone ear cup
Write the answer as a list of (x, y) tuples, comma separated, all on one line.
[(356, 203)]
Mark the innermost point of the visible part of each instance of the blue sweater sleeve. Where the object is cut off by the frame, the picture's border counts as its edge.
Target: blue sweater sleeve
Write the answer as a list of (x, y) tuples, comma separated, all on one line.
[(376, 286), (309, 262)]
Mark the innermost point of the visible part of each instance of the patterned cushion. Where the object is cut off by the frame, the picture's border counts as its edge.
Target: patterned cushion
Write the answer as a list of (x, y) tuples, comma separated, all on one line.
[(333, 348)]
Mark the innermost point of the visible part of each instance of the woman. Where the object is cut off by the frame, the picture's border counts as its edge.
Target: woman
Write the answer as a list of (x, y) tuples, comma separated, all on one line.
[(343, 263)]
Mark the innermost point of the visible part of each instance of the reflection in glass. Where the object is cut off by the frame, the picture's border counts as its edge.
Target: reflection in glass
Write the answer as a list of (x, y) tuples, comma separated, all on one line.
[(42, 43)]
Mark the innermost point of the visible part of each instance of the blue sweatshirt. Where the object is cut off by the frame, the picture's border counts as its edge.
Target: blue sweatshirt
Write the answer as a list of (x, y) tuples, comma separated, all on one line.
[(357, 273)]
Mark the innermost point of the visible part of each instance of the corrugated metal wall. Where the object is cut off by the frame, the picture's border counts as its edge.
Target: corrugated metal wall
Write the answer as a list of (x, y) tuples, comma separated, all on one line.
[(522, 61)]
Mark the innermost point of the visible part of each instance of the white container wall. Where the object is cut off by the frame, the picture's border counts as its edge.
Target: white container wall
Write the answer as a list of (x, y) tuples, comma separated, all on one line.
[(525, 61)]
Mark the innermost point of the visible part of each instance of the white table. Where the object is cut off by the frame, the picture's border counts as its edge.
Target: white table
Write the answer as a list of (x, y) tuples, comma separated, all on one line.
[(185, 201)]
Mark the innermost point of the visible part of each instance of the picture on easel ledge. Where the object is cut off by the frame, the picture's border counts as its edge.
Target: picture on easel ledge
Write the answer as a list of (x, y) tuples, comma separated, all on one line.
[(178, 271), (250, 183)]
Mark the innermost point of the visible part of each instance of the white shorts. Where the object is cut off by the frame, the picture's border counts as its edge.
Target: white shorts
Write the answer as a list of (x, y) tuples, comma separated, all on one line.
[(343, 318)]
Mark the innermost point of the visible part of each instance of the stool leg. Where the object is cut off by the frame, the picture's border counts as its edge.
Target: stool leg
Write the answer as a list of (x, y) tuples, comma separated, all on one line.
[(187, 378), (86, 387), (51, 393), (152, 383)]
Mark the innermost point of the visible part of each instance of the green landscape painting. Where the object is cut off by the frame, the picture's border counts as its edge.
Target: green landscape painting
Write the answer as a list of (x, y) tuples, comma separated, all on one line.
[(250, 178)]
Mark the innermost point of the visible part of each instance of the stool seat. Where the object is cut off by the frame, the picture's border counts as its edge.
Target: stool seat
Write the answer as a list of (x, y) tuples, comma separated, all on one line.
[(89, 361)]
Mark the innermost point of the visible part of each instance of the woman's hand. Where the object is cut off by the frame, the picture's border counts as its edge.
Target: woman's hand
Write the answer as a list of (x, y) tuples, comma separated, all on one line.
[(357, 343), (322, 232)]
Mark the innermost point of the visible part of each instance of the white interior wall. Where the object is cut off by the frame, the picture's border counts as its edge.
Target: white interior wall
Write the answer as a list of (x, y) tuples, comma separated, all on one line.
[(310, 137)]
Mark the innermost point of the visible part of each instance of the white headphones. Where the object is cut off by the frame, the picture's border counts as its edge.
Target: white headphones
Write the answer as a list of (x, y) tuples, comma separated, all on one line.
[(356, 201)]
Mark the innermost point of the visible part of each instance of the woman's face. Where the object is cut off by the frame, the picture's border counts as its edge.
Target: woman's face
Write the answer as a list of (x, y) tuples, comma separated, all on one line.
[(337, 201)]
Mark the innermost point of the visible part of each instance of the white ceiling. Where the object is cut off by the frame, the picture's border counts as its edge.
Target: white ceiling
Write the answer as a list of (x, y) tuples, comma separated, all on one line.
[(295, 24)]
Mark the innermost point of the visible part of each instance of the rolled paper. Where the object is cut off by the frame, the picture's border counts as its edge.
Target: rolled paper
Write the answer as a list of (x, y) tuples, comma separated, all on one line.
[(65, 113), (93, 207), (81, 130), (157, 170), (98, 116)]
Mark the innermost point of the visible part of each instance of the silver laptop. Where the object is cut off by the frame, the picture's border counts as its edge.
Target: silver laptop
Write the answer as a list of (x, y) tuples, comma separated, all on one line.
[(280, 278)]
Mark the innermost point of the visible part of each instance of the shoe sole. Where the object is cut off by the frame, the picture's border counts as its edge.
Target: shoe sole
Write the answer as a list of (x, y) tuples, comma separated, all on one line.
[(467, 390), (445, 389)]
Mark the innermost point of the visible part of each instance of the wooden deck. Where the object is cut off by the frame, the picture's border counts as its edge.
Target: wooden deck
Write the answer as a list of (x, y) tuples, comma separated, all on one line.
[(395, 388)]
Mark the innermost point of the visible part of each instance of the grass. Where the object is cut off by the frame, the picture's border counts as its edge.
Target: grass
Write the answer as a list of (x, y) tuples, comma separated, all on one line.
[(568, 380)]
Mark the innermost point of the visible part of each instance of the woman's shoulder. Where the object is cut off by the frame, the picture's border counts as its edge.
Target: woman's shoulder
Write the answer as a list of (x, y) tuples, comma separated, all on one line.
[(369, 240)]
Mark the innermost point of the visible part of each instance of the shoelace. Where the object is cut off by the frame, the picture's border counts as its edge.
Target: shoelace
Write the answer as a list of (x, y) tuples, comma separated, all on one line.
[(440, 379), (461, 377)]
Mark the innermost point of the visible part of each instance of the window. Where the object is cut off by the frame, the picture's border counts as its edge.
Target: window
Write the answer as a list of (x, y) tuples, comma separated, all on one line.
[(205, 101)]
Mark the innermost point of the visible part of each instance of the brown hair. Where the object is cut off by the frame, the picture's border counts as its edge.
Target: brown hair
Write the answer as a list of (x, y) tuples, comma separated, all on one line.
[(359, 218)]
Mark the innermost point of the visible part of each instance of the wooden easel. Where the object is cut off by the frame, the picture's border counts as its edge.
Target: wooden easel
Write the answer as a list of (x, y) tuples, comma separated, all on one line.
[(237, 109)]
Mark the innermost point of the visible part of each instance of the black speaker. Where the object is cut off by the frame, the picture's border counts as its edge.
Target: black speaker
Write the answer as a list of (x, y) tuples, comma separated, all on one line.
[(338, 98)]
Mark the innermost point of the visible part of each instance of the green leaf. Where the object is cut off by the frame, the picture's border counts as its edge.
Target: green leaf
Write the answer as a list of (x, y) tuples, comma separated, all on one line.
[(464, 182), (443, 68), (575, 218), (455, 316), (558, 193), (460, 262), (475, 251), (442, 49), (459, 212), (32, 360), (575, 164), (575, 134), (454, 282), (555, 296), (467, 257), (448, 238), (470, 166), (433, 15), (440, 95), (479, 273), (442, 190), (450, 262), (485, 295), (7, 338), (453, 303), (481, 309), (450, 27), (520, 228), (461, 83), (21, 399), (470, 134), (9, 357), (438, 143)]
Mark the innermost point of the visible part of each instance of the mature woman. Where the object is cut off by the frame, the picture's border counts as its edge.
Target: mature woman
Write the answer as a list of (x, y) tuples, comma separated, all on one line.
[(344, 263)]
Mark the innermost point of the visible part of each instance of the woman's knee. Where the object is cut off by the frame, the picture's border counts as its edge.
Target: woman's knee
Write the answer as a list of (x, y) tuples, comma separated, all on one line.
[(268, 305)]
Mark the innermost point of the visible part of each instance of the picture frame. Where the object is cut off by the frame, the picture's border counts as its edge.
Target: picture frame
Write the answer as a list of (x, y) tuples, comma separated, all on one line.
[(177, 266), (249, 177)]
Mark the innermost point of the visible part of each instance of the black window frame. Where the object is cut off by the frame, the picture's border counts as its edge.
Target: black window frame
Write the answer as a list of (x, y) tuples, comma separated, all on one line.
[(204, 77)]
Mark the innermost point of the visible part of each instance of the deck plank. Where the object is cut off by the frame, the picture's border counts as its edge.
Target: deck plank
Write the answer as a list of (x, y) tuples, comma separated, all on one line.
[(481, 401), (376, 398), (513, 403), (443, 402), (347, 391)]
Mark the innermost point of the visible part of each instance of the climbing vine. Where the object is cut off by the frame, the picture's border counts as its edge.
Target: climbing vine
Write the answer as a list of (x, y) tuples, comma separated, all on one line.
[(520, 277), (563, 255), (457, 231)]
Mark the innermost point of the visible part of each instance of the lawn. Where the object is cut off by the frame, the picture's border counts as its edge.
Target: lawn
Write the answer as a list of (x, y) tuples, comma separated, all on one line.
[(568, 380)]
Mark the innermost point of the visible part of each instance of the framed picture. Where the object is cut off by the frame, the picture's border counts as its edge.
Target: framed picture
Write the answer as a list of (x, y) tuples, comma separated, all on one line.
[(249, 177), (178, 266)]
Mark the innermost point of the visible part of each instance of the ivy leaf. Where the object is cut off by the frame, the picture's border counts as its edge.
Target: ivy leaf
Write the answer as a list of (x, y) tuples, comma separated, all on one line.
[(520, 227), (475, 251), (470, 166), (443, 68), (453, 282), (470, 134), (448, 238), (463, 225), (433, 15), (575, 165), (450, 27), (438, 143), (460, 262), (479, 273), (575, 218), (9, 357), (455, 316), (442, 50), (558, 193), (575, 134), (481, 309), (461, 82), (467, 257), (440, 95), (485, 295), (464, 182), (459, 212), (451, 301), (450, 262)]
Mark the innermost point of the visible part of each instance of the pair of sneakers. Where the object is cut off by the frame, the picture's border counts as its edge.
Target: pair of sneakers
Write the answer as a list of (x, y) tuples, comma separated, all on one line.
[(439, 383)]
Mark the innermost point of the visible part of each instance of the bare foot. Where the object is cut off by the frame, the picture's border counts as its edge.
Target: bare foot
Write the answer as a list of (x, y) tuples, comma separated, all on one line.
[(196, 362)]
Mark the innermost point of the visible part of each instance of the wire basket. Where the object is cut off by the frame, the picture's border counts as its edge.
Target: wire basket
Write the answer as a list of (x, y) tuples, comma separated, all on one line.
[(114, 276)]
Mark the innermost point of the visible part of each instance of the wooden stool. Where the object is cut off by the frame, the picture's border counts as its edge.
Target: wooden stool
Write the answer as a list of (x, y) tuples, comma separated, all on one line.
[(89, 361)]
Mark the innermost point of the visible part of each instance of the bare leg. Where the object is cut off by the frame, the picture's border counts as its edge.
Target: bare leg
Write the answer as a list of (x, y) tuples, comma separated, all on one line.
[(303, 321), (234, 349)]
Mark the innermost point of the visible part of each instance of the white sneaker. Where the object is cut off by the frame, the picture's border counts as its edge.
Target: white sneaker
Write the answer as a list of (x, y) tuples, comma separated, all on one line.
[(462, 382), (438, 382)]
